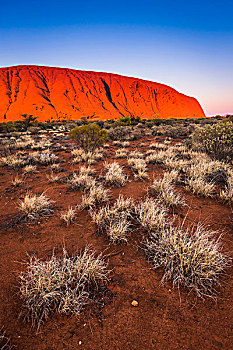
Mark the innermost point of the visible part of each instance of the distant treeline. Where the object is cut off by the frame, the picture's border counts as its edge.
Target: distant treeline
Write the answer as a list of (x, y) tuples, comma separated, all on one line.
[(30, 121)]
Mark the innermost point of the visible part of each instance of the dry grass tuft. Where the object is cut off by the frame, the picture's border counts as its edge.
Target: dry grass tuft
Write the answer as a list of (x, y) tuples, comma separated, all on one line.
[(82, 181), (115, 220), (200, 187), (54, 178), (34, 205), (192, 259), (114, 175), (166, 193), (17, 181), (121, 153), (69, 215), (29, 169), (97, 194), (151, 214), (61, 284)]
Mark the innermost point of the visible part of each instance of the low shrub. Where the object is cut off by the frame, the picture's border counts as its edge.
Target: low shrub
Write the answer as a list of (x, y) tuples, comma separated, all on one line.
[(89, 137), (216, 140)]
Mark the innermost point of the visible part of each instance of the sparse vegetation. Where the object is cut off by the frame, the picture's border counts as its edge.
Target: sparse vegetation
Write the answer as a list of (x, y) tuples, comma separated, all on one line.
[(62, 284), (114, 174), (89, 137), (69, 215), (193, 259), (98, 197), (216, 140), (34, 205)]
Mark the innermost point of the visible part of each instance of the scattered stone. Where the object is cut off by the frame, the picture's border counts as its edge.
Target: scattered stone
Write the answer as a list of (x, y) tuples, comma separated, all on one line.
[(134, 303)]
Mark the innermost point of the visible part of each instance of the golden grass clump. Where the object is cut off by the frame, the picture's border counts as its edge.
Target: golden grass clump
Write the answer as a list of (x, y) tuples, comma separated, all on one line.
[(192, 259), (165, 192), (34, 205), (69, 215), (60, 284), (151, 214), (115, 175)]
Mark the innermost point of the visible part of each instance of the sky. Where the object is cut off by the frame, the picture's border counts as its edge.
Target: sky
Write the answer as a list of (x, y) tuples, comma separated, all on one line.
[(187, 45)]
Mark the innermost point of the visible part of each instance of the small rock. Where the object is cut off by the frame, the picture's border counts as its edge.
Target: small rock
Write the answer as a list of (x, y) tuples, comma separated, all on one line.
[(134, 303)]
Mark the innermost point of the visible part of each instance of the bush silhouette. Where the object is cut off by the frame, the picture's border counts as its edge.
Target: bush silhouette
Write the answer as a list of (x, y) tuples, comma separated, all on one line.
[(89, 137)]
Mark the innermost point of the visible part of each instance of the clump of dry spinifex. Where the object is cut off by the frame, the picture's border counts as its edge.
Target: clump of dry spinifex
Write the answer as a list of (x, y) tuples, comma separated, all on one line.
[(138, 166), (151, 214), (34, 205), (5, 341), (165, 191), (192, 259), (115, 175), (94, 195), (81, 181), (69, 215), (60, 284), (116, 220)]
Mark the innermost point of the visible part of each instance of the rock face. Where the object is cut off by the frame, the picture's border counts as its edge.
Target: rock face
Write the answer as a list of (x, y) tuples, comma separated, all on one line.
[(61, 93)]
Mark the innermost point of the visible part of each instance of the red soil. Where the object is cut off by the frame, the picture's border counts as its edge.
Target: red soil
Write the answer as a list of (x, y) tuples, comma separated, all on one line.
[(53, 93), (165, 318)]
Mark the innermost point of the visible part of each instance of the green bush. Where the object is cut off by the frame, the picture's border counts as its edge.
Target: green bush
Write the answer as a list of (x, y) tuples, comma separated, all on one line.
[(89, 137), (216, 140)]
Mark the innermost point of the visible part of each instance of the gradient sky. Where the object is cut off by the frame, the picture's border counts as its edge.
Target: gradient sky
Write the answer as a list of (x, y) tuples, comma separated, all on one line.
[(185, 44)]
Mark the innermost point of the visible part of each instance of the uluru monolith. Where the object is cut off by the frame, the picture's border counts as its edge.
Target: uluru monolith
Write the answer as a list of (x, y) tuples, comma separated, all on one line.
[(62, 93)]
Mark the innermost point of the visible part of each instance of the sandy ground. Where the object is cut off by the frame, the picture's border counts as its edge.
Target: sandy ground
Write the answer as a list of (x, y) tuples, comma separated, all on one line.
[(165, 318)]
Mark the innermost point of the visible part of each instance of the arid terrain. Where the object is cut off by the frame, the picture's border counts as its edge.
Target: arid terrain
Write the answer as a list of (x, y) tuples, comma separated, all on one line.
[(166, 317)]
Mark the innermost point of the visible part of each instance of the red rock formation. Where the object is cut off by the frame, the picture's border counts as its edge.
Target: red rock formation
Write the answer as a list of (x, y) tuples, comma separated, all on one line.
[(52, 93)]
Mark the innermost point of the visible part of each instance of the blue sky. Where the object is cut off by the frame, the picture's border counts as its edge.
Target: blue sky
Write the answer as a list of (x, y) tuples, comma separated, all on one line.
[(185, 44)]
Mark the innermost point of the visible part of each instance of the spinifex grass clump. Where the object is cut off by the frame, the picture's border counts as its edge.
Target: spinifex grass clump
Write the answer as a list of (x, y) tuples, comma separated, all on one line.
[(94, 196), (166, 193), (34, 205), (61, 284), (192, 259), (69, 215), (151, 214), (114, 174), (81, 181), (116, 220)]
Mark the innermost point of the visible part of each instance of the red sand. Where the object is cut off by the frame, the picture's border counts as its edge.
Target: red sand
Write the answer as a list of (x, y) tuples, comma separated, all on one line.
[(53, 93), (165, 317)]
